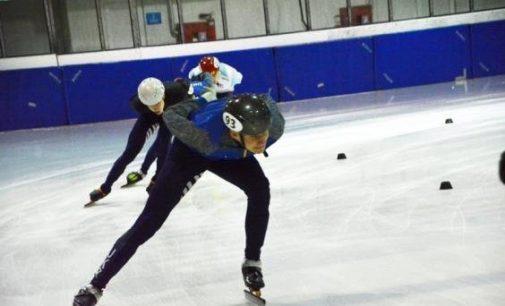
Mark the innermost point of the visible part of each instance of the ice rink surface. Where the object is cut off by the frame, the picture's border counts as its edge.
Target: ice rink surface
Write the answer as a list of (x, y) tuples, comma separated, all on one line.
[(373, 229)]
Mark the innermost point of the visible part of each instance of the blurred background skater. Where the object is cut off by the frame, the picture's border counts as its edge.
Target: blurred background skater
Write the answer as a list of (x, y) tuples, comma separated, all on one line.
[(225, 76), (152, 98)]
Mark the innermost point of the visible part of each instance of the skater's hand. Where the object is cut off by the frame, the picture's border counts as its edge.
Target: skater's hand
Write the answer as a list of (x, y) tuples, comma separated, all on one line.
[(204, 87)]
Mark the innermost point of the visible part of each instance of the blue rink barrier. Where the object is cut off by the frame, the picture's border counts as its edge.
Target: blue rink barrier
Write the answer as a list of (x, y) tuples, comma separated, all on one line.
[(101, 92), (325, 69), (86, 93), (488, 48), (32, 98), (422, 57)]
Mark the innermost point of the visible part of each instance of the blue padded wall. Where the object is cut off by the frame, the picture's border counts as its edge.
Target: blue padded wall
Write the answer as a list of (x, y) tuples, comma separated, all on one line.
[(325, 69), (180, 66), (488, 48), (257, 67), (31, 98), (101, 92), (422, 57)]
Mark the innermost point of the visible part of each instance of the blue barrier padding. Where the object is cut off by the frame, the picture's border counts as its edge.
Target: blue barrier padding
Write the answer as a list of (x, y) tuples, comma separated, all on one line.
[(422, 57), (488, 48), (180, 66), (325, 69), (31, 98), (101, 92), (257, 67), (55, 96)]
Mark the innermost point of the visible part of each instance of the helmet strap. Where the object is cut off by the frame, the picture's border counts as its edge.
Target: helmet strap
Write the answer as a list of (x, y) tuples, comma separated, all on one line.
[(242, 142)]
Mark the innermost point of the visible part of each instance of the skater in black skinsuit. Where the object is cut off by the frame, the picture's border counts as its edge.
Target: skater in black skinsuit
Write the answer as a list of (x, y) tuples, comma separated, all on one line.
[(222, 137), (152, 98), (502, 168)]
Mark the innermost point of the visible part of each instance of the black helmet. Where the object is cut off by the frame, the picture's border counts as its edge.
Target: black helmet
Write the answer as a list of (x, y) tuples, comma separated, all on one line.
[(247, 114)]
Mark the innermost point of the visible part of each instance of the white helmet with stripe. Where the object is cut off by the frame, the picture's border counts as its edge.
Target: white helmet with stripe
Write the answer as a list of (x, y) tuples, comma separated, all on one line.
[(151, 91)]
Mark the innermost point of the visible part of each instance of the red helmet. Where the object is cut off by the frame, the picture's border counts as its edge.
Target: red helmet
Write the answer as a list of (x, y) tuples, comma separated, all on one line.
[(209, 64)]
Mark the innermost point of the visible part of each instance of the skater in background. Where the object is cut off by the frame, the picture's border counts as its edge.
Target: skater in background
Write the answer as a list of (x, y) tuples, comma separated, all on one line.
[(152, 98), (224, 83), (222, 137), (502, 168), (225, 76)]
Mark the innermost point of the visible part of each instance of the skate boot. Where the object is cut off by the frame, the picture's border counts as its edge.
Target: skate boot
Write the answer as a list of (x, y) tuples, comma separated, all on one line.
[(134, 177), (253, 280), (96, 195), (87, 296), (251, 271)]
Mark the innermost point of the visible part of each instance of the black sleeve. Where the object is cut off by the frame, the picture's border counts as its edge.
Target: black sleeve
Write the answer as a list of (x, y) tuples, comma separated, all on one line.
[(177, 121), (176, 92), (139, 107), (278, 122), (183, 82)]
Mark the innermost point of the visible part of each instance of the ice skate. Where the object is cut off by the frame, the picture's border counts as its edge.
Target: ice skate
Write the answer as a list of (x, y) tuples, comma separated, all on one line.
[(87, 296), (94, 196), (253, 280), (133, 178)]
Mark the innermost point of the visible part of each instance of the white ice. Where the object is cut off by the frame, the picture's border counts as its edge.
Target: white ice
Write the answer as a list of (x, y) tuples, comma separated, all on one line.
[(373, 229)]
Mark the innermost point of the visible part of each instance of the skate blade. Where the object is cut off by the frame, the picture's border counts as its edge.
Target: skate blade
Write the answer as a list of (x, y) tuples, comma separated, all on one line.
[(128, 185), (254, 296), (90, 203)]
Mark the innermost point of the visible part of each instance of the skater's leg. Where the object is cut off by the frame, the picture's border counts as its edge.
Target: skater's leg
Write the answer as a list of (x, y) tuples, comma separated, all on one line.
[(173, 180), (248, 176), (162, 145), (150, 157), (135, 143)]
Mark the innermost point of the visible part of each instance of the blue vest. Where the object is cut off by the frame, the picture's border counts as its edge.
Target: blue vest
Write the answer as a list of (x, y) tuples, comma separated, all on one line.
[(209, 117)]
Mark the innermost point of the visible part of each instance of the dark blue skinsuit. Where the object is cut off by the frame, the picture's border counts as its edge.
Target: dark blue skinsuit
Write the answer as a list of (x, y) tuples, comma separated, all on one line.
[(202, 143)]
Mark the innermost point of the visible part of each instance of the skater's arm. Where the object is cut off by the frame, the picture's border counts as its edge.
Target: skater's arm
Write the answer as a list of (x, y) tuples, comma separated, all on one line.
[(277, 127), (176, 119)]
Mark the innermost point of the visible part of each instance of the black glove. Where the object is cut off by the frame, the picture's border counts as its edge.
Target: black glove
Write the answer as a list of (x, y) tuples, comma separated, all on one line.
[(502, 168)]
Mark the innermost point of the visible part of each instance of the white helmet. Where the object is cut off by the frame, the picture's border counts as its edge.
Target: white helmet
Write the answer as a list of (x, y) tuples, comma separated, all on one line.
[(151, 91)]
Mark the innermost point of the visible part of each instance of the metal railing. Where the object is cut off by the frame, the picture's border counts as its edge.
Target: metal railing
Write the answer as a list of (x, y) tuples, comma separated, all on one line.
[(176, 22)]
